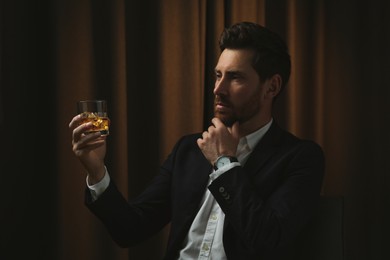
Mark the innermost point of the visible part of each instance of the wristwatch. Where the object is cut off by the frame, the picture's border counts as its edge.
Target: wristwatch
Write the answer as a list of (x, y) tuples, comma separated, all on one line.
[(223, 160)]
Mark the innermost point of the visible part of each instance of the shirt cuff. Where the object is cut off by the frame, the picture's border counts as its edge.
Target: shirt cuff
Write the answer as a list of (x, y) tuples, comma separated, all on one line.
[(98, 188), (223, 169)]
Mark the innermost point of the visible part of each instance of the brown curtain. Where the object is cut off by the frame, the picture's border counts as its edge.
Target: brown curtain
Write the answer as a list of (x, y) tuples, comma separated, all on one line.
[(153, 62)]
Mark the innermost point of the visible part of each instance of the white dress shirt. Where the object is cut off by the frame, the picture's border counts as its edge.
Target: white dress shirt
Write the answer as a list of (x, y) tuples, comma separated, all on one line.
[(204, 239)]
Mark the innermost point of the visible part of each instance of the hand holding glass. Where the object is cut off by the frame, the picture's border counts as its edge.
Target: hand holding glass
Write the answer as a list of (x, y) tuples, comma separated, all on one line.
[(94, 111)]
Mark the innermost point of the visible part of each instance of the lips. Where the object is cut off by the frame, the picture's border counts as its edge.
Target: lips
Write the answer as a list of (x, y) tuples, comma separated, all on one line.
[(222, 107), (221, 103)]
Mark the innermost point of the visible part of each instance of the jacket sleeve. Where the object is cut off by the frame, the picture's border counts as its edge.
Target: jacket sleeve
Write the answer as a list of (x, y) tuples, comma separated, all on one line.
[(132, 221)]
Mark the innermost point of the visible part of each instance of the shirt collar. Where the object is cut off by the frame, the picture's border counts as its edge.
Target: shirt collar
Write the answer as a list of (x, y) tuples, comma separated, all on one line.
[(253, 138)]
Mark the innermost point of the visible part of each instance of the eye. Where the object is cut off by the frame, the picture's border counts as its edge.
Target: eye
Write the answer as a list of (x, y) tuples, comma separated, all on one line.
[(217, 75), (235, 76)]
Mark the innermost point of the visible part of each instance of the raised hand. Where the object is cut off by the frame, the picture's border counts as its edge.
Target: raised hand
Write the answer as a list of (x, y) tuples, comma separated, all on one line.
[(219, 140), (90, 148)]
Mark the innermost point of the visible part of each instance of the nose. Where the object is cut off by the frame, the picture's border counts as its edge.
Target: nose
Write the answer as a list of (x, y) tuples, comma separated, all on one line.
[(220, 87)]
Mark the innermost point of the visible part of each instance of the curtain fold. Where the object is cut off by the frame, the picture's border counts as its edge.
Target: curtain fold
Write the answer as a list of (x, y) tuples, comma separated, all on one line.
[(181, 74)]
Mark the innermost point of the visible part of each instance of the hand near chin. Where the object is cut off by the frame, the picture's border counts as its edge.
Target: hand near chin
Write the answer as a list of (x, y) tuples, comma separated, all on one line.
[(219, 140)]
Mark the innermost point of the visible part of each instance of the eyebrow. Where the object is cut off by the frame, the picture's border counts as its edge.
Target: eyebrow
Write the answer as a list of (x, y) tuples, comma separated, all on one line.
[(231, 72)]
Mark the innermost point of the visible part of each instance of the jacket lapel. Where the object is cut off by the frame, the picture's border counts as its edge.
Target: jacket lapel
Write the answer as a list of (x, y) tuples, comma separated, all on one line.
[(266, 147)]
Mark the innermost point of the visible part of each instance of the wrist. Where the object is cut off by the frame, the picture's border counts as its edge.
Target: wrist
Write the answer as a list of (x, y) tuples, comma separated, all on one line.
[(96, 176)]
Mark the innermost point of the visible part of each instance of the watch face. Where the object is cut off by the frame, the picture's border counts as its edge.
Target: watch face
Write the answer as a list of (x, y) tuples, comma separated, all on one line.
[(222, 161)]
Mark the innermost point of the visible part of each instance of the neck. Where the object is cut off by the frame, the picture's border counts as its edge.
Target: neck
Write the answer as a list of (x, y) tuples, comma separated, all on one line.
[(253, 125)]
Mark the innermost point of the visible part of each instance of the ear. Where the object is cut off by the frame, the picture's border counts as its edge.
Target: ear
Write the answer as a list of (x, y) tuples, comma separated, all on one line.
[(274, 85)]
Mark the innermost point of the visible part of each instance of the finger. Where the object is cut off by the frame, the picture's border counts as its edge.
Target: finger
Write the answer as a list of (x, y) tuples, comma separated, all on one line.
[(93, 137), (217, 122), (79, 131), (89, 142), (75, 122), (88, 146), (199, 142), (211, 128)]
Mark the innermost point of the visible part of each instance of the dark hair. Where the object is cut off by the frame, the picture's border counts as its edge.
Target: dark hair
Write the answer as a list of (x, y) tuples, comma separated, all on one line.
[(271, 51)]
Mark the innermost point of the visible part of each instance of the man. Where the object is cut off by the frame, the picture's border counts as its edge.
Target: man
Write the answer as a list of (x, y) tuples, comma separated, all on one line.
[(243, 189)]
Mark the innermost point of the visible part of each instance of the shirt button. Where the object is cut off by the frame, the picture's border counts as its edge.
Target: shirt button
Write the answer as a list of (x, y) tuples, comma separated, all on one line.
[(221, 189)]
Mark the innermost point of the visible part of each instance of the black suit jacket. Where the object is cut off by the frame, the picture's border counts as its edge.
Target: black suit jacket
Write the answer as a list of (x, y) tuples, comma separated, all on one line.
[(266, 203)]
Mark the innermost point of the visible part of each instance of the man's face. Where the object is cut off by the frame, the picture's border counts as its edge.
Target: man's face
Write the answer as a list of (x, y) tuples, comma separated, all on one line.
[(238, 90)]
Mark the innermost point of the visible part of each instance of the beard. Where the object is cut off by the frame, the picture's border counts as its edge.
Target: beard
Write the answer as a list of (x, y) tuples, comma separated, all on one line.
[(228, 118), (233, 113)]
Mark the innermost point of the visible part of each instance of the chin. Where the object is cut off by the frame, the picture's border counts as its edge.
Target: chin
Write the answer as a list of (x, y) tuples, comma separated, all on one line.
[(226, 120)]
